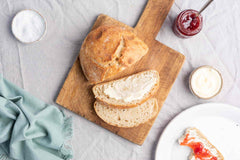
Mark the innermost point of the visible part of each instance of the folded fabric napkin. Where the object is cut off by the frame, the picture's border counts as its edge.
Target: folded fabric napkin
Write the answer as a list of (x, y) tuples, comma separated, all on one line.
[(31, 129)]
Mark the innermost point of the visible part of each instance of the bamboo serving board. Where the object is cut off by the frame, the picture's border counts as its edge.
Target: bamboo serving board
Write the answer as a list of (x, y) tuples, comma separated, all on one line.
[(76, 93)]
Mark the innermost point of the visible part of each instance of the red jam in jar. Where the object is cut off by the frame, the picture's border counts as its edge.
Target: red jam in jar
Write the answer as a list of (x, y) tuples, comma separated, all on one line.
[(188, 23)]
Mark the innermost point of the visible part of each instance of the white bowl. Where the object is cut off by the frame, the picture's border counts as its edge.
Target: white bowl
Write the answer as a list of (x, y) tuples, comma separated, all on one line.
[(194, 92), (24, 26)]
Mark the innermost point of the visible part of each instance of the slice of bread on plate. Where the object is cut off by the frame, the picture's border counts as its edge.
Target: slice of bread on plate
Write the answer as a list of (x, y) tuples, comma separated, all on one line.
[(129, 91), (108, 50), (127, 118), (202, 149)]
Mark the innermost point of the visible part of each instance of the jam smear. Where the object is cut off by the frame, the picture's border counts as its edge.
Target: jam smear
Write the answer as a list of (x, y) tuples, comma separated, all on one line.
[(200, 152)]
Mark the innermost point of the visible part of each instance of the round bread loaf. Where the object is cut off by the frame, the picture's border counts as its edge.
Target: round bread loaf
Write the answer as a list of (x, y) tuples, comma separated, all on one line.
[(108, 50)]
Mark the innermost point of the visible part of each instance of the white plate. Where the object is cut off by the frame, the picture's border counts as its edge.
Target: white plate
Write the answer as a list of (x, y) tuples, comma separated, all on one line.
[(220, 123)]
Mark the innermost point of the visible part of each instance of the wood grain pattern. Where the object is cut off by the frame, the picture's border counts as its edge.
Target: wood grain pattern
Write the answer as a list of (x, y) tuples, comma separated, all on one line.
[(76, 94)]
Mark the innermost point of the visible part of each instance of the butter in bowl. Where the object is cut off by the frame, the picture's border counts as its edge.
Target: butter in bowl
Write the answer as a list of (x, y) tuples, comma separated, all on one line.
[(205, 82)]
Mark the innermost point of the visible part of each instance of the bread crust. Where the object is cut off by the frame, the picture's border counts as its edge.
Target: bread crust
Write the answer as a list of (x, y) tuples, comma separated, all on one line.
[(156, 108), (219, 153), (203, 137), (109, 49), (120, 106)]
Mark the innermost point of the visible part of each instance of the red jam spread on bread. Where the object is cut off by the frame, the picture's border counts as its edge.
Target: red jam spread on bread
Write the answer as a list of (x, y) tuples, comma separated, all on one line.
[(200, 152), (188, 23)]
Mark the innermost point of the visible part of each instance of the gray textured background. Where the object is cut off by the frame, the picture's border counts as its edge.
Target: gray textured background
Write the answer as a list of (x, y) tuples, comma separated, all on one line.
[(41, 68)]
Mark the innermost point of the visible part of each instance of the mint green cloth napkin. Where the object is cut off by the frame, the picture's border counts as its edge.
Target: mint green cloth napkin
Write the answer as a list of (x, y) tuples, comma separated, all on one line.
[(31, 129)]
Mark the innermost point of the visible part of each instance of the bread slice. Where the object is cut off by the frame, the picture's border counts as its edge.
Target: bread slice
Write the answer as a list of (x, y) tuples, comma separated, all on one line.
[(129, 91), (108, 50), (192, 137), (127, 118)]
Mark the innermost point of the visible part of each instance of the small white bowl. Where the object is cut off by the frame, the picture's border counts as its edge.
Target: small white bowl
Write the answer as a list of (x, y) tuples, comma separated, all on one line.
[(195, 92), (19, 20)]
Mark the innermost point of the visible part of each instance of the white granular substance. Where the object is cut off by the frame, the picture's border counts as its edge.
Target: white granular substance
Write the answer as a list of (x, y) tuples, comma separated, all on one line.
[(28, 26)]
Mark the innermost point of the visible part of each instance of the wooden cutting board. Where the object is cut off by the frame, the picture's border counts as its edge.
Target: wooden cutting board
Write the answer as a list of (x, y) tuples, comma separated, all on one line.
[(76, 94)]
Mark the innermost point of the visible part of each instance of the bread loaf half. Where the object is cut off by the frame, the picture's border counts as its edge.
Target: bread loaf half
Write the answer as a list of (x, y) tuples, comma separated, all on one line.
[(129, 91), (108, 50), (202, 148), (127, 118)]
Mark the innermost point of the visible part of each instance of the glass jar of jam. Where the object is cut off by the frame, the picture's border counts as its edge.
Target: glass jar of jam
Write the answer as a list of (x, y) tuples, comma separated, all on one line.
[(188, 23)]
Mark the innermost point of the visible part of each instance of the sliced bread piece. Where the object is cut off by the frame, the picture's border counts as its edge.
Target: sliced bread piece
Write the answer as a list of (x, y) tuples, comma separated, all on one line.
[(127, 118), (129, 91), (202, 149)]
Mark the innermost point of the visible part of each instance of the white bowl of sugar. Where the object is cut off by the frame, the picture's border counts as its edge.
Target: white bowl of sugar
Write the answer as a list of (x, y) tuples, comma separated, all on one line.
[(28, 26)]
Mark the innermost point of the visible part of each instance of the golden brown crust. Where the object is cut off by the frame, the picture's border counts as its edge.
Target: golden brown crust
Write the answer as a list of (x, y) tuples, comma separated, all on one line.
[(109, 49)]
